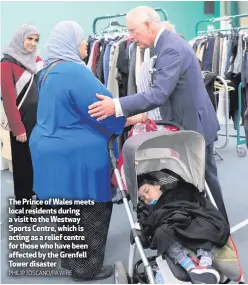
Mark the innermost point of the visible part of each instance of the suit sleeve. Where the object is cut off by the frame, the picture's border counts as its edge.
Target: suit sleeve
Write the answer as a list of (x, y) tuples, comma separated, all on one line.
[(165, 79), (84, 94), (9, 100)]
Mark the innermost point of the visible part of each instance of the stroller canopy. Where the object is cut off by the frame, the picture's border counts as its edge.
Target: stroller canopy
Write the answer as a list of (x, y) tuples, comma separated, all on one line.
[(182, 152)]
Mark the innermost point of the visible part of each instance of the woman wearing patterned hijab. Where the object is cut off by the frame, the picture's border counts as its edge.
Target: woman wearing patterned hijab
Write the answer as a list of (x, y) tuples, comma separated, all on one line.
[(19, 99), (69, 150)]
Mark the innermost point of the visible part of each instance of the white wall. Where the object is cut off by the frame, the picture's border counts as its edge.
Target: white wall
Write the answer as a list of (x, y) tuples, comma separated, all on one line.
[(243, 9)]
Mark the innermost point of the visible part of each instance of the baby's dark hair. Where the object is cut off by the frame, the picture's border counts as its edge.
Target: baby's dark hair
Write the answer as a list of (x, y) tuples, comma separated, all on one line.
[(146, 179)]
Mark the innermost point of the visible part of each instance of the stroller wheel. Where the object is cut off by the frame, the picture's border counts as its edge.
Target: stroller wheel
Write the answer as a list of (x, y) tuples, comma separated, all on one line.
[(120, 273)]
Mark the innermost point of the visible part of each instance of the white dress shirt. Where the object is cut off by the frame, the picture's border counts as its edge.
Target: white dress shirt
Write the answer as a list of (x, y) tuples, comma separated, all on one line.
[(118, 109), (144, 85)]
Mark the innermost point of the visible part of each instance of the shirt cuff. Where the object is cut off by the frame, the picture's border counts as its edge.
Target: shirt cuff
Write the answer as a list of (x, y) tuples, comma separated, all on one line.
[(118, 109), (17, 129)]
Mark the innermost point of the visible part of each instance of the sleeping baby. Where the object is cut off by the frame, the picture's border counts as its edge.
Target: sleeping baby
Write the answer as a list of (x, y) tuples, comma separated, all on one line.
[(182, 220)]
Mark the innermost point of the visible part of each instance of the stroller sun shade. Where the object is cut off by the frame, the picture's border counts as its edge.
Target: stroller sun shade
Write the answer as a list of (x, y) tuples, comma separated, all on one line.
[(182, 152)]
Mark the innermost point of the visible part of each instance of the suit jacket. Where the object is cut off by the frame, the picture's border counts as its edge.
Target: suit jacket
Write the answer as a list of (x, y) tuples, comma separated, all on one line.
[(177, 79)]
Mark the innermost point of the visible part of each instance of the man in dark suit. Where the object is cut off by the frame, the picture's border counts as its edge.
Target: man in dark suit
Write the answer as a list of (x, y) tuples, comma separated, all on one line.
[(177, 81)]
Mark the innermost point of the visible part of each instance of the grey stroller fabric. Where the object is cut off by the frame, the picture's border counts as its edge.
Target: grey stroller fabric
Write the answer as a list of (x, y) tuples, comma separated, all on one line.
[(181, 152)]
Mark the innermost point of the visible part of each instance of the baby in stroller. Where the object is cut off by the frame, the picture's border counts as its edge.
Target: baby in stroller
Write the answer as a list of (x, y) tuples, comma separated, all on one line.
[(181, 223)]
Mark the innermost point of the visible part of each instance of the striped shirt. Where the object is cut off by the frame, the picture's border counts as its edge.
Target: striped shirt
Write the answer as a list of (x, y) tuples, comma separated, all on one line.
[(144, 81)]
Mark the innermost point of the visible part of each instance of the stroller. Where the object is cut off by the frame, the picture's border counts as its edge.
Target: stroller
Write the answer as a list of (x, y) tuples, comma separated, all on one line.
[(182, 153)]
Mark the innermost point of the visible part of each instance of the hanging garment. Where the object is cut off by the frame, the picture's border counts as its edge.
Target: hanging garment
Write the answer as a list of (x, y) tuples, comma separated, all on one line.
[(122, 66), (216, 56), (106, 59), (113, 86), (99, 63), (234, 50), (202, 52), (244, 94), (90, 41), (132, 88), (229, 54), (224, 57), (221, 54), (228, 61), (208, 56), (244, 69), (196, 43), (96, 53), (209, 79), (93, 54), (238, 59), (198, 49), (244, 80), (233, 96), (129, 44)]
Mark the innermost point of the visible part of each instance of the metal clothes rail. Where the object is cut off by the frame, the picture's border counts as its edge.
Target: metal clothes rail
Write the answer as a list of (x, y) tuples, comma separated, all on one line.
[(240, 150), (162, 11), (225, 18)]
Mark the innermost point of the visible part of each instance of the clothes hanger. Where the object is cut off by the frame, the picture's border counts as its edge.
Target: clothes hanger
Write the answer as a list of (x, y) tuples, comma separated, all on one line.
[(112, 24), (114, 29), (220, 87)]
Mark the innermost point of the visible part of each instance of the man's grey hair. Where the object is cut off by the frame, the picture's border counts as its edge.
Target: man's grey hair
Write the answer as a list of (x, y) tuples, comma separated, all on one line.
[(144, 13)]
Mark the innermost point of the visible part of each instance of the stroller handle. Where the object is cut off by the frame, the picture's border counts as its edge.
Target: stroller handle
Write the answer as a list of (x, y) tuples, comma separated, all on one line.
[(127, 129), (111, 145)]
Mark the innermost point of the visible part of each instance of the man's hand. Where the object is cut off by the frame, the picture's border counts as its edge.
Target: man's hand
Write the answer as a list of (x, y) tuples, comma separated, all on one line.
[(22, 138), (102, 109)]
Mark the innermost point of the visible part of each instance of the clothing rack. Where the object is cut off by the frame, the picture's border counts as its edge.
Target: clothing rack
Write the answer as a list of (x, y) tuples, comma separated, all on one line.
[(229, 31), (216, 31), (240, 150), (220, 19), (162, 11), (226, 115)]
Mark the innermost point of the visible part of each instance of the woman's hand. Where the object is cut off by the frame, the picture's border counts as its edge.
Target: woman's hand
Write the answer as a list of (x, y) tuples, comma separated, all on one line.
[(140, 118), (22, 138)]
